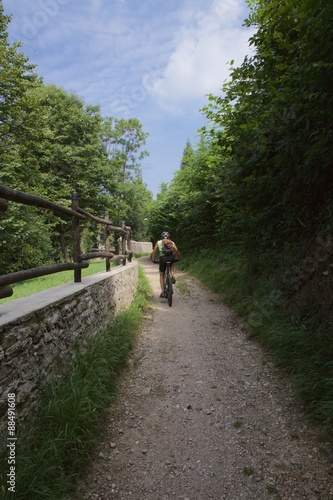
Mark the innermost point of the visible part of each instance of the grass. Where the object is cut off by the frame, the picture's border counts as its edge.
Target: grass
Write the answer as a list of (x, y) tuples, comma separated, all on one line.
[(292, 323), (35, 285), (248, 471), (54, 447), (182, 286), (238, 424), (26, 288)]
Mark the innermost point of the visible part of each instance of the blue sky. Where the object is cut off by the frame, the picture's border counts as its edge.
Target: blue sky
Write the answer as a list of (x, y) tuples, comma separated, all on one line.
[(154, 60)]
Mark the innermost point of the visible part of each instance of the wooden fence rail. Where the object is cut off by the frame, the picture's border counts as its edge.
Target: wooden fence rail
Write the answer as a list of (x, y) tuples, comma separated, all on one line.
[(77, 214), (31, 199)]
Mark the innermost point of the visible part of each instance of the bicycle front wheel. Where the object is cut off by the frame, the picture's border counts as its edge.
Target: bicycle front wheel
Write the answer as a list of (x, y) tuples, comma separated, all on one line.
[(170, 291)]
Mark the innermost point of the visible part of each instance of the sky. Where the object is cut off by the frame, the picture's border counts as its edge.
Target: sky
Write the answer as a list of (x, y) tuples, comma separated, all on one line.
[(154, 60)]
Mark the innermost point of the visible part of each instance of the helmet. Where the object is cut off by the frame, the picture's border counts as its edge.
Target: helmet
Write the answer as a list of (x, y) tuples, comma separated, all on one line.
[(165, 235)]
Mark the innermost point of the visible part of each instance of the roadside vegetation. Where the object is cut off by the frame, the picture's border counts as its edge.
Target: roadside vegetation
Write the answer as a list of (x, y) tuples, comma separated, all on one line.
[(295, 329), (56, 444), (251, 205), (54, 144), (35, 285)]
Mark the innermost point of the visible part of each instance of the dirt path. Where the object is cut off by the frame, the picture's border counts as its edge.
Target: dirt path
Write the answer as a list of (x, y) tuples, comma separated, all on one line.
[(203, 414)]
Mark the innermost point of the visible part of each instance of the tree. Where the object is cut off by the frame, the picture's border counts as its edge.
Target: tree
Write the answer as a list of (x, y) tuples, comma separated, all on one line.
[(123, 140), (128, 197), (53, 144), (21, 122), (23, 239), (185, 207), (187, 155), (133, 206), (71, 157), (275, 119)]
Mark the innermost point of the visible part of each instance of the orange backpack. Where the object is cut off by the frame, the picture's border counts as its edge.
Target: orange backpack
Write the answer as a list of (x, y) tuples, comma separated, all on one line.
[(167, 247)]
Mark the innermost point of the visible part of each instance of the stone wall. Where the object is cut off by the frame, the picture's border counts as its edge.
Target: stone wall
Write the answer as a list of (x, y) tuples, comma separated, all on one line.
[(43, 331), (137, 246), (142, 246)]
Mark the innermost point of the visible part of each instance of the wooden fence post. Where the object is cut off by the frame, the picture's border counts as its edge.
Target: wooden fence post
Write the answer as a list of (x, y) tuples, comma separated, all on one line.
[(107, 240), (123, 242), (76, 238), (129, 244), (5, 291)]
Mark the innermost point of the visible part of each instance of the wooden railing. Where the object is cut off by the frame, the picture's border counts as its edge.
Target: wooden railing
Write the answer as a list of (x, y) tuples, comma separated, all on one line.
[(77, 214)]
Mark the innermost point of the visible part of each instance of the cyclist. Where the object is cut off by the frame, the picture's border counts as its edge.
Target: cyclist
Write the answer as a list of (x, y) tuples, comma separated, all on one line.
[(158, 252)]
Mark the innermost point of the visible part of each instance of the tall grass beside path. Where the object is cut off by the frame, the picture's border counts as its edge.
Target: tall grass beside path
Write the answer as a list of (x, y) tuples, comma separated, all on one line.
[(292, 325), (54, 447)]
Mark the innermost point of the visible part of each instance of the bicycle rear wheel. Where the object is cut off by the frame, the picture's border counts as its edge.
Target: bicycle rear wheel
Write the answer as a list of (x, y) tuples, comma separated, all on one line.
[(170, 291)]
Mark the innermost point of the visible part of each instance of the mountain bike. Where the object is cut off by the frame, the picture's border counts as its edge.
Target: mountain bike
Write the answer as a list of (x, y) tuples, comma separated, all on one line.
[(168, 286)]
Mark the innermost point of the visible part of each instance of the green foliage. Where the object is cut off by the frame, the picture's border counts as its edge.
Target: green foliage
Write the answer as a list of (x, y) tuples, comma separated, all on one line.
[(128, 197), (20, 121), (53, 449), (185, 208), (70, 159), (256, 193), (123, 140), (188, 156), (25, 239), (131, 202), (262, 173), (275, 121), (53, 144)]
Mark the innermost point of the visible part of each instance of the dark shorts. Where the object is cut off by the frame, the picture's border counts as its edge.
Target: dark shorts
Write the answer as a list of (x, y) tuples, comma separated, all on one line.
[(163, 260)]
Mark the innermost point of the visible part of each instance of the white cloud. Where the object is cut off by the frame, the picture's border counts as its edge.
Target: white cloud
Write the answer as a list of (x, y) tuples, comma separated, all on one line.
[(172, 54), (199, 63)]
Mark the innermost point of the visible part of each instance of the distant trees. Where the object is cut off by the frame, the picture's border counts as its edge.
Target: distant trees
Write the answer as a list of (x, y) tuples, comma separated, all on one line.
[(123, 140), (53, 144), (128, 197)]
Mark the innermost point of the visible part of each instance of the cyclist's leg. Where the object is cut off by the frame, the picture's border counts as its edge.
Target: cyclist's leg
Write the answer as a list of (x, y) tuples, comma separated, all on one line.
[(162, 266), (170, 290), (172, 272), (162, 282)]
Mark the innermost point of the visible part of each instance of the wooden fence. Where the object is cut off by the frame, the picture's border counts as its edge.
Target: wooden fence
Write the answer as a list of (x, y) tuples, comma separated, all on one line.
[(77, 214)]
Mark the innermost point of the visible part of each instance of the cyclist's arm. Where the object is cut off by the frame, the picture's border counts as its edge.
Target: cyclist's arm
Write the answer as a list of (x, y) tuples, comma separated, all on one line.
[(153, 255), (176, 251)]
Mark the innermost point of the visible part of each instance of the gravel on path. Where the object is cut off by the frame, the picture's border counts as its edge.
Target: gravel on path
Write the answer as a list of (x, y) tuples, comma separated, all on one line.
[(204, 414)]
